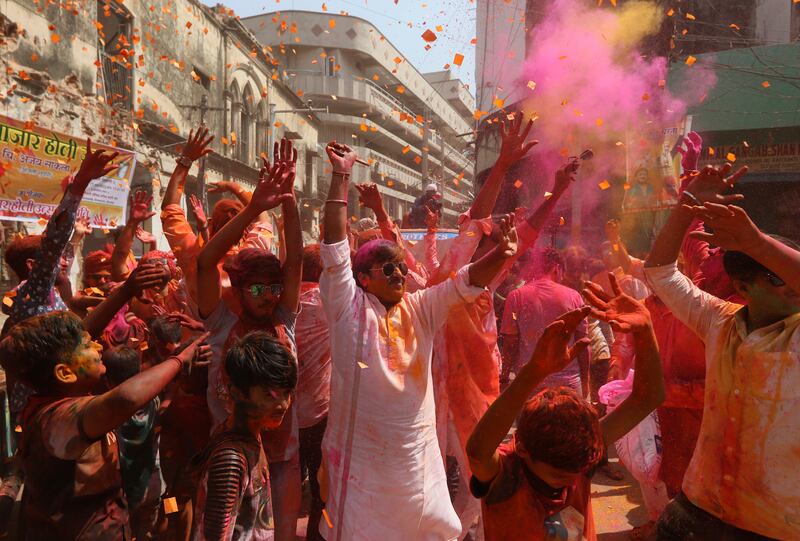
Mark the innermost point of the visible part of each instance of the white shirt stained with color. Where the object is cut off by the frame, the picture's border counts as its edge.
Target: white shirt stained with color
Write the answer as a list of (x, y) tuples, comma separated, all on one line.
[(385, 472), (744, 468)]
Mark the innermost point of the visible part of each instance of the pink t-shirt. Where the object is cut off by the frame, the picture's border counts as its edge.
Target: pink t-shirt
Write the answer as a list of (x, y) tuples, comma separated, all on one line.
[(313, 358)]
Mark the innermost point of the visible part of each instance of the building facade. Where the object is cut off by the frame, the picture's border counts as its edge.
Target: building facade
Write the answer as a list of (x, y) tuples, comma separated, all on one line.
[(413, 128), (140, 75)]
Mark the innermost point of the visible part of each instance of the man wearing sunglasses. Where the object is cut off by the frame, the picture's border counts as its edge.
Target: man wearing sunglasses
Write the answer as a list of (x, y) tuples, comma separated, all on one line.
[(268, 294), (742, 479), (383, 472)]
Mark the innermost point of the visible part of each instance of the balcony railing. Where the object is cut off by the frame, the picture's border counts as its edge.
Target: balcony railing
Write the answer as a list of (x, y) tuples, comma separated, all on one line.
[(117, 83)]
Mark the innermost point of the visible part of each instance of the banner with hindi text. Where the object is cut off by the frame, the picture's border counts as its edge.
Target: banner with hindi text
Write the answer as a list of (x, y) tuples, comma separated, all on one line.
[(34, 166)]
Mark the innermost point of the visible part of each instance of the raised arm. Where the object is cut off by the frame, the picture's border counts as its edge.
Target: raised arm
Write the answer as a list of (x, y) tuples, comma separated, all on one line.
[(512, 149), (140, 211), (195, 148), (35, 292), (200, 217), (286, 157), (270, 192), (483, 271), (108, 411), (551, 355), (734, 230), (231, 187), (706, 186), (142, 278), (335, 220), (627, 315)]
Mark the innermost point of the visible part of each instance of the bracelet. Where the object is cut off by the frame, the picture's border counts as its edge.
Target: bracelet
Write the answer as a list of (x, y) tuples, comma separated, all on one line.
[(342, 201)]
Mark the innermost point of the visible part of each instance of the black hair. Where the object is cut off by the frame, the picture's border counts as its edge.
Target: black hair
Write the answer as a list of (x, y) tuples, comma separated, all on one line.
[(312, 263), (549, 259), (261, 359), (165, 330), (32, 348), (741, 266), (375, 251), (122, 363), (19, 251)]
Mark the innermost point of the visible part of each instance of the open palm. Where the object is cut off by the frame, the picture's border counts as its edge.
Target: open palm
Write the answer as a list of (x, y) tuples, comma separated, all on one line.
[(622, 312)]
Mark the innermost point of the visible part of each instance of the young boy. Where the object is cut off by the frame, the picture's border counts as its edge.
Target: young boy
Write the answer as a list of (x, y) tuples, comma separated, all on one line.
[(137, 439), (268, 293), (233, 483), (383, 465), (539, 484), (69, 452)]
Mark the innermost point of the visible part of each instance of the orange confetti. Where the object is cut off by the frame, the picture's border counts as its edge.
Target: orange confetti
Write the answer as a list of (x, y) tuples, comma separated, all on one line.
[(671, 12), (517, 183), (531, 85), (690, 60), (401, 89), (406, 149), (332, 23), (765, 84), (363, 127), (604, 185), (731, 157), (458, 59), (690, 17), (8, 301), (599, 122), (55, 38), (711, 151), (417, 160), (499, 103), (734, 26), (397, 59), (645, 96), (429, 36)]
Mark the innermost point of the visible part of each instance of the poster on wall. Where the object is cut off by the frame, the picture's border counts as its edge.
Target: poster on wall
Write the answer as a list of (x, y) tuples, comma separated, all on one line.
[(34, 165)]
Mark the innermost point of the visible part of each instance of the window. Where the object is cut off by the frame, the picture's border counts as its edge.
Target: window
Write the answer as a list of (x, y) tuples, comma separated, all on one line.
[(330, 67), (201, 78), (247, 127), (113, 49)]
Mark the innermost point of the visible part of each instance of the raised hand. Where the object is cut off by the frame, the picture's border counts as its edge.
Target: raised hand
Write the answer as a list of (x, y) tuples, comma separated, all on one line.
[(508, 242), (82, 227), (622, 312), (732, 227), (140, 209), (197, 145), (513, 146), (564, 177), (342, 157), (612, 231), (286, 155), (145, 236), (197, 207), (96, 164), (431, 220), (222, 186), (709, 184), (690, 155), (146, 277), (552, 351), (369, 196), (274, 187), (186, 321)]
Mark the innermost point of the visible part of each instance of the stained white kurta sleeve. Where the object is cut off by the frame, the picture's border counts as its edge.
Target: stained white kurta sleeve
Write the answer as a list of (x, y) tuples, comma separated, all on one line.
[(336, 284), (435, 302)]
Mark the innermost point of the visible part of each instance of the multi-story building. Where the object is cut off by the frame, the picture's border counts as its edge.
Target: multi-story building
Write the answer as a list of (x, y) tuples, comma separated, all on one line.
[(140, 74), (413, 128)]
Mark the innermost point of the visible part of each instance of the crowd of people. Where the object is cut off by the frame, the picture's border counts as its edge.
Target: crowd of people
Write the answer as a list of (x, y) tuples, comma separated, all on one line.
[(194, 393)]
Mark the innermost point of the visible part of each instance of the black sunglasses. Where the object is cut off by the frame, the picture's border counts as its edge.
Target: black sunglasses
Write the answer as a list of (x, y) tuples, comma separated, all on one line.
[(256, 290), (388, 268), (774, 279)]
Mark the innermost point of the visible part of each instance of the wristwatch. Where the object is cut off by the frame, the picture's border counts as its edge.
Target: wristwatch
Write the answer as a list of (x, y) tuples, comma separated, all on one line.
[(185, 161)]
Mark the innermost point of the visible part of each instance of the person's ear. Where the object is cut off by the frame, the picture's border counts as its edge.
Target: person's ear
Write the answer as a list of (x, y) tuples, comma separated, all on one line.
[(64, 374), (741, 287), (519, 447), (29, 263), (363, 279)]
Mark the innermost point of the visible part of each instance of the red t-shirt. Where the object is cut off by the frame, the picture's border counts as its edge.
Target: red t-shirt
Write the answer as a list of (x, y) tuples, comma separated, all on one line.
[(514, 509)]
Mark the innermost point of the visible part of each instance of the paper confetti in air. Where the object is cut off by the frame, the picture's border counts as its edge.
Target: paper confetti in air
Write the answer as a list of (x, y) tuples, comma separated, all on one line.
[(361, 365), (731, 157), (604, 185)]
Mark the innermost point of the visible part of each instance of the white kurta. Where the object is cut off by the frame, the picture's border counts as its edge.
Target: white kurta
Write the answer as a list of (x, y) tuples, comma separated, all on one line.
[(386, 480)]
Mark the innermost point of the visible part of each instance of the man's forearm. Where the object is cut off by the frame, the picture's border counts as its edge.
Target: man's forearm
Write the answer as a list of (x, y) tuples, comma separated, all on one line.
[(227, 237), (119, 258), (487, 196), (335, 219), (668, 244), (172, 196), (648, 379), (483, 271), (538, 217), (96, 321)]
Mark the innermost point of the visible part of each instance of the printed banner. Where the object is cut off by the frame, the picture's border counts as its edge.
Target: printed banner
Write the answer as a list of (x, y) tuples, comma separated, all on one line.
[(414, 237), (34, 165)]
